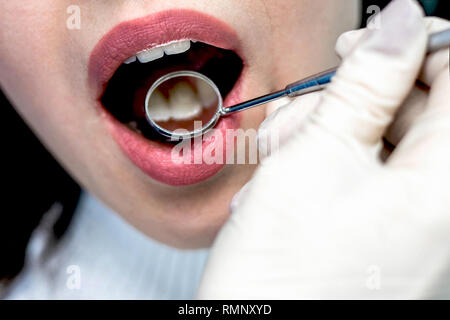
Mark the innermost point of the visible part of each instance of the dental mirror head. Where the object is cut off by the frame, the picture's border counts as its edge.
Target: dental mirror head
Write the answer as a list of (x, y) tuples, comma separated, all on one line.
[(177, 101)]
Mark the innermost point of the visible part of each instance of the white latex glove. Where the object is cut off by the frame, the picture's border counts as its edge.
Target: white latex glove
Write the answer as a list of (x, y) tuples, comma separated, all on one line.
[(324, 217)]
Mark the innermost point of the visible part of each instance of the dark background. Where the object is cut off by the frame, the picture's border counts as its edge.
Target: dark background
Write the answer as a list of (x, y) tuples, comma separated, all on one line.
[(32, 180)]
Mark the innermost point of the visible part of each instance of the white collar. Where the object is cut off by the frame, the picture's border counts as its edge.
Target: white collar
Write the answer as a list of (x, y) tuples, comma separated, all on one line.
[(113, 260)]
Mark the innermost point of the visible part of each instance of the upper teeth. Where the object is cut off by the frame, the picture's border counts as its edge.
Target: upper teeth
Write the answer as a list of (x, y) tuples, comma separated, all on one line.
[(148, 55)]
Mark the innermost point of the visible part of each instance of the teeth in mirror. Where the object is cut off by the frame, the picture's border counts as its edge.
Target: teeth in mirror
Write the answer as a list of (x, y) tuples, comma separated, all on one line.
[(206, 93), (182, 103), (159, 107), (152, 54)]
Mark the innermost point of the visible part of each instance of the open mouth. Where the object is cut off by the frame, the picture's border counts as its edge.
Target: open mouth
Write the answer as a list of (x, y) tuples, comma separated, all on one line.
[(130, 57), (125, 92)]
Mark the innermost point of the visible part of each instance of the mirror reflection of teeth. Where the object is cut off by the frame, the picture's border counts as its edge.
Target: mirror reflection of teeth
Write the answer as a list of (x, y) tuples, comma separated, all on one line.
[(182, 103), (208, 96), (159, 107), (158, 52)]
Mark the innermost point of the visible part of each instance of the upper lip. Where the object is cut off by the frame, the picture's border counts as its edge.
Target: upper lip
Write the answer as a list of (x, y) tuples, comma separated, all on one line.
[(130, 37)]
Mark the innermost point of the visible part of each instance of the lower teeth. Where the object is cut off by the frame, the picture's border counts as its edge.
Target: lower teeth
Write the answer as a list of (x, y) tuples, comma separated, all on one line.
[(133, 126)]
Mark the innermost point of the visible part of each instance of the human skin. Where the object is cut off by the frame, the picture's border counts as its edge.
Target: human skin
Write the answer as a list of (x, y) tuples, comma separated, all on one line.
[(44, 72)]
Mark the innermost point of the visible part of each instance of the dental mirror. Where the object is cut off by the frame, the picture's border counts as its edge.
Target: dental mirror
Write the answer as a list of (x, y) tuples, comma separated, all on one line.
[(177, 101)]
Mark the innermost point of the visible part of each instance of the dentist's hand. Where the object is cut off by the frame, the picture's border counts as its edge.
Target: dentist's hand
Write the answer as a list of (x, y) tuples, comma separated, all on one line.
[(324, 217)]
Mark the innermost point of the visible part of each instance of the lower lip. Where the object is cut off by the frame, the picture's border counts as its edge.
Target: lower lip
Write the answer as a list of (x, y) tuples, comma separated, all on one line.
[(155, 158)]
